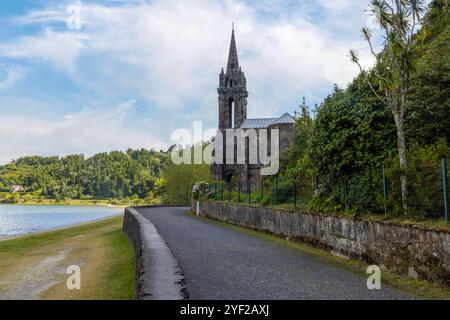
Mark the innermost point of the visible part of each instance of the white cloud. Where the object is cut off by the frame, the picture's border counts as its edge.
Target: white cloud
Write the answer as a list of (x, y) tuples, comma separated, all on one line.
[(337, 5), (169, 54), (58, 48), (171, 51), (12, 74), (42, 16), (92, 130)]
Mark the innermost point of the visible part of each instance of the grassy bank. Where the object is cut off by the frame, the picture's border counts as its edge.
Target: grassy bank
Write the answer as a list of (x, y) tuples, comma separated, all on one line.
[(28, 199), (68, 202), (419, 288), (34, 266), (35, 198)]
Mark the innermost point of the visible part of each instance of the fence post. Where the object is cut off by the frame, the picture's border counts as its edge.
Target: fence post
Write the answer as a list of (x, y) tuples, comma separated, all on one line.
[(385, 191), (223, 190), (229, 191), (346, 194), (294, 189), (317, 183), (249, 192), (262, 188), (276, 190), (239, 191), (445, 185)]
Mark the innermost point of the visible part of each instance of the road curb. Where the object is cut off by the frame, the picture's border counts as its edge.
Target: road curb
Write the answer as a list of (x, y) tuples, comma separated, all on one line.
[(158, 274)]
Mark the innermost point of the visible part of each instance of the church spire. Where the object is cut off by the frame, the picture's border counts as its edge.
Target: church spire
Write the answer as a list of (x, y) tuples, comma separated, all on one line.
[(232, 91), (233, 63)]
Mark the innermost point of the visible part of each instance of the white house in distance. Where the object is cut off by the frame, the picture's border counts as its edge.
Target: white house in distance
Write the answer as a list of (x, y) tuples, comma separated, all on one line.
[(17, 189)]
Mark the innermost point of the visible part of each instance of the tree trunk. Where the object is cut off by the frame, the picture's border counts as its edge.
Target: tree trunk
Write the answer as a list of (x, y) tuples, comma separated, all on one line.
[(401, 146)]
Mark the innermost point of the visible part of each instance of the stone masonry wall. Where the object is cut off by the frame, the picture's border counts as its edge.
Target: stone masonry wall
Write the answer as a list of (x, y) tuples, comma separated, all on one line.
[(132, 228), (410, 250)]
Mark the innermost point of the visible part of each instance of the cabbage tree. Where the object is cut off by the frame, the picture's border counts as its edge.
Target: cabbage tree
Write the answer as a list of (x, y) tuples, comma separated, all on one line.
[(398, 21)]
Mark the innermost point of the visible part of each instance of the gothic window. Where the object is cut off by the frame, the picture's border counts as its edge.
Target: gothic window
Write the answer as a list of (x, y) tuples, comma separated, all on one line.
[(284, 144), (247, 150), (231, 112)]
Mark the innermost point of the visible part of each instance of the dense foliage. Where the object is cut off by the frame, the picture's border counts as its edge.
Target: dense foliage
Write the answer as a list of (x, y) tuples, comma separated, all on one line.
[(354, 133), (178, 179), (429, 99), (117, 174)]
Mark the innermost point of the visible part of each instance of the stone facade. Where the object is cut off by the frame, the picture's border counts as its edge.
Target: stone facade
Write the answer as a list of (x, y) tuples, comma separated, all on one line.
[(233, 95)]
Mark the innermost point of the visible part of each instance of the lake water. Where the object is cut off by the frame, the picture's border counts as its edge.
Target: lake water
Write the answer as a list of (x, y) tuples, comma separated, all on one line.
[(22, 219)]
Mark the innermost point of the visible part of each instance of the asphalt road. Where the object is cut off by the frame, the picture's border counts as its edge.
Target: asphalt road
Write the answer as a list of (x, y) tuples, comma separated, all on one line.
[(221, 263)]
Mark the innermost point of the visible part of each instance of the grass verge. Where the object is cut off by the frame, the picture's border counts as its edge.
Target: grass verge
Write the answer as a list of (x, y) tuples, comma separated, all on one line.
[(421, 289), (34, 266)]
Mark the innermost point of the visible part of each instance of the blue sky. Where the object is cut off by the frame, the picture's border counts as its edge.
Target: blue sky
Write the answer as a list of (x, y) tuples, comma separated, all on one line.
[(134, 71)]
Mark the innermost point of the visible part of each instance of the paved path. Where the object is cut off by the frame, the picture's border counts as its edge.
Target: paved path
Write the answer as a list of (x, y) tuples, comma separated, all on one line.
[(221, 263)]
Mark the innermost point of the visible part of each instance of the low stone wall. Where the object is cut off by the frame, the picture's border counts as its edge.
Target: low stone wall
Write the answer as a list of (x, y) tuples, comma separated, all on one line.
[(132, 230), (410, 250), (158, 275)]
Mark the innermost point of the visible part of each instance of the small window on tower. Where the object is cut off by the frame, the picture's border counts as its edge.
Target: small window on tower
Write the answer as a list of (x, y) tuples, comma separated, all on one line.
[(231, 113), (231, 83)]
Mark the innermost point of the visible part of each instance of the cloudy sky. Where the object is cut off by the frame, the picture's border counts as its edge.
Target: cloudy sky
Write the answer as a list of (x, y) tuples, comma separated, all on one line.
[(128, 73)]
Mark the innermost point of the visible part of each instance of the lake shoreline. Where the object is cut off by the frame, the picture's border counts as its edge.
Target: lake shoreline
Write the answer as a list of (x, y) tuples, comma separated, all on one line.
[(33, 233), (52, 202), (25, 219), (67, 204)]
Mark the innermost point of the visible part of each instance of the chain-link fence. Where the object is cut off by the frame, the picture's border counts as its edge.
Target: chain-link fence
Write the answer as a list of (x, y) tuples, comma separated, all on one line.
[(371, 191)]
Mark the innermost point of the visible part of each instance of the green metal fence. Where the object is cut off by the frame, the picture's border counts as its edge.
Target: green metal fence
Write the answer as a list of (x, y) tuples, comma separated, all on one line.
[(375, 191)]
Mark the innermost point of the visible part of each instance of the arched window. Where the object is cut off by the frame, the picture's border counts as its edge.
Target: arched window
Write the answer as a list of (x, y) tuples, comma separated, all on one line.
[(247, 150), (231, 83), (284, 144), (231, 113)]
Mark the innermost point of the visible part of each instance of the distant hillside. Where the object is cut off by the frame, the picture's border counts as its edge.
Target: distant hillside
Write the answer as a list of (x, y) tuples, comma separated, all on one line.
[(117, 174)]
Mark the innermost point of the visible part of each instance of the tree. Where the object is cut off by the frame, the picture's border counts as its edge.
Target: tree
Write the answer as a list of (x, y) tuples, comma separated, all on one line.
[(178, 179), (427, 118), (353, 132), (105, 175), (398, 20), (296, 161)]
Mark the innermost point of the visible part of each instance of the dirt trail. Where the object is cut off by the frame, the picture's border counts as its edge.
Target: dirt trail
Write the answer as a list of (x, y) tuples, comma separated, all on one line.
[(34, 279)]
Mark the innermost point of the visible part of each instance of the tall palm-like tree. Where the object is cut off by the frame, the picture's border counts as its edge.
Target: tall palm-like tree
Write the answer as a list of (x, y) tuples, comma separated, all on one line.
[(398, 21)]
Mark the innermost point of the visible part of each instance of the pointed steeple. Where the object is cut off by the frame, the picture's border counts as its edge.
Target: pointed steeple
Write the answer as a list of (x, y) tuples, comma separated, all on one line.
[(233, 63), (232, 91)]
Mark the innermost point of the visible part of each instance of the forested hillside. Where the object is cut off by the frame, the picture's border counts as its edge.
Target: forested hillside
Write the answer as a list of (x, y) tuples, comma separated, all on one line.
[(132, 174)]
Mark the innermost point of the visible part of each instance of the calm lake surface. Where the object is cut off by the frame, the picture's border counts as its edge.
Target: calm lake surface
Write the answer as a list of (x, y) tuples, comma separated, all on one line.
[(21, 219)]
